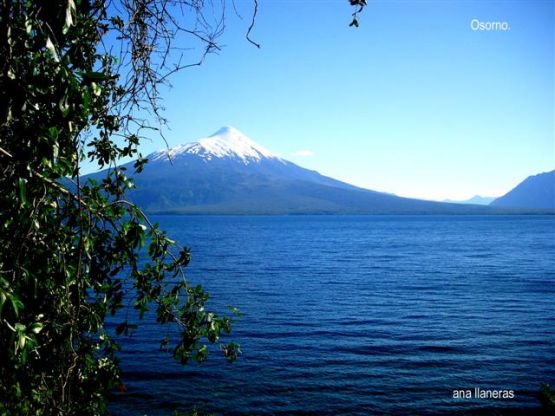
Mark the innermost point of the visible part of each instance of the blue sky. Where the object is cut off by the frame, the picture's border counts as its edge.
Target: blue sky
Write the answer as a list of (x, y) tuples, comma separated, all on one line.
[(413, 102)]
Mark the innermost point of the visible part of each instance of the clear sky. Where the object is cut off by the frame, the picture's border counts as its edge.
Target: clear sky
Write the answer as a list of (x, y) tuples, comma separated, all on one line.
[(413, 102)]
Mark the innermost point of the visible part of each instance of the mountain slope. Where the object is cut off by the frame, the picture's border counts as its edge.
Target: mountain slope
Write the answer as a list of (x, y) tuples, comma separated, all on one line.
[(228, 173), (537, 191)]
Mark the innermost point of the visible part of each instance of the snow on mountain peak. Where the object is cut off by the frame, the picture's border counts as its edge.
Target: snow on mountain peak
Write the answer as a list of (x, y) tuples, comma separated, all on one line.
[(227, 142)]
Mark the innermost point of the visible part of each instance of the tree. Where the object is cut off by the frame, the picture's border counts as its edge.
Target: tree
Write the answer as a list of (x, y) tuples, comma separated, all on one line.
[(71, 251), (77, 78)]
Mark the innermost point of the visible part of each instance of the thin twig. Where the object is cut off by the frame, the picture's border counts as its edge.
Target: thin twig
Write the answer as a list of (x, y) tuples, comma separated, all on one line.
[(252, 25)]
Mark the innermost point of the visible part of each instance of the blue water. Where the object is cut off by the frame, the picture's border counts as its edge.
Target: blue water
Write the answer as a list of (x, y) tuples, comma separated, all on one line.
[(360, 315)]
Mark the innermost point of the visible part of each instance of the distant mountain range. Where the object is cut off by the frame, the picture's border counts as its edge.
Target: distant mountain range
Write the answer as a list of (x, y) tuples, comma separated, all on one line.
[(537, 191), (476, 200), (228, 173)]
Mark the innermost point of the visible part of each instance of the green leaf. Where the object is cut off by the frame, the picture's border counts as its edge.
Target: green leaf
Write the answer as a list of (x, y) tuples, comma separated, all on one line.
[(3, 298), (121, 328), (21, 341), (53, 133), (52, 49), (22, 184), (96, 89), (70, 13), (94, 75), (36, 327), (17, 305), (202, 354)]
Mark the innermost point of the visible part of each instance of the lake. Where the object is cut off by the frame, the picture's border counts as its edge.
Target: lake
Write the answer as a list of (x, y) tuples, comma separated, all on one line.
[(360, 315)]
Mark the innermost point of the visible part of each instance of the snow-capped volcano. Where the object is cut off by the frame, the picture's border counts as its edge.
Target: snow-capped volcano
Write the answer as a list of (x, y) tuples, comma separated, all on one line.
[(227, 142), (228, 173)]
